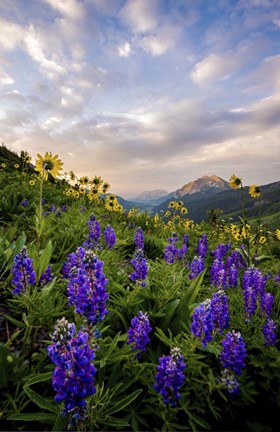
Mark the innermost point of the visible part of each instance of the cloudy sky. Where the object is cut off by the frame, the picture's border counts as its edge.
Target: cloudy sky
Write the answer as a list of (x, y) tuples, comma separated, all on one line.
[(145, 93)]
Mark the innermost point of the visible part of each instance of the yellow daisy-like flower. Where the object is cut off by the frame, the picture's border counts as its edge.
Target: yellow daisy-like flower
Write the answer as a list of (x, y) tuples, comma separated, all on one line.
[(184, 210), (93, 194), (172, 204), (105, 187), (167, 213), (76, 194), (84, 180), (254, 191), (156, 218), (68, 193), (27, 159), (48, 164), (109, 205), (262, 240), (179, 204), (235, 182), (3, 165), (97, 181), (238, 237), (32, 182), (16, 166), (277, 234)]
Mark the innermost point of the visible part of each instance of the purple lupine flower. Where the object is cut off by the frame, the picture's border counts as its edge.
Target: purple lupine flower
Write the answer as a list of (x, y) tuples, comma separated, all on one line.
[(63, 208), (276, 278), (170, 376), (183, 250), (86, 288), (197, 266), (232, 276), (139, 239), (23, 272), (53, 208), (221, 251), (46, 277), (73, 376), (233, 353), (170, 252), (82, 208), (250, 302), (25, 203), (218, 276), (219, 310), (253, 278), (230, 382), (269, 332), (267, 300), (202, 322), (140, 268), (74, 259), (236, 259), (94, 233), (138, 332), (109, 237), (202, 246)]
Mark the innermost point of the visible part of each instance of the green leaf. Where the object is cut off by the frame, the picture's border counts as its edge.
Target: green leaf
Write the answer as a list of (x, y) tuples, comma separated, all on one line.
[(44, 258), (168, 311), (15, 321), (118, 406), (186, 302), (3, 365), (40, 401), (111, 421), (46, 376), (40, 417), (61, 423)]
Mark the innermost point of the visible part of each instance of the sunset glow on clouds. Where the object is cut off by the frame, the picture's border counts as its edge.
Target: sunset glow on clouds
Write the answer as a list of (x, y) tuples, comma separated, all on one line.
[(145, 93)]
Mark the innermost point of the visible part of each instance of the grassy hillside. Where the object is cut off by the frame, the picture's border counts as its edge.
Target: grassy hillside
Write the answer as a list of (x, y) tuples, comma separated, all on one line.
[(198, 205)]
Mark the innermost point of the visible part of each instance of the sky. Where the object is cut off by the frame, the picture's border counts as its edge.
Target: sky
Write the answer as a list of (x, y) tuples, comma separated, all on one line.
[(147, 94)]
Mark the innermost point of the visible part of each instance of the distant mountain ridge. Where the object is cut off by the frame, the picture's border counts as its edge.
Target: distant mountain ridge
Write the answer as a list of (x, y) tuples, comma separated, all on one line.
[(206, 184)]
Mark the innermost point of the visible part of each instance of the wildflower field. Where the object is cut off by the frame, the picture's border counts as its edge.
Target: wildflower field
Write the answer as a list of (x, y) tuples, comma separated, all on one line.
[(117, 320)]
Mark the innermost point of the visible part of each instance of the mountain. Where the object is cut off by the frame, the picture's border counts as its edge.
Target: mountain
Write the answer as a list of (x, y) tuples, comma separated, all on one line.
[(152, 197), (207, 185), (229, 201)]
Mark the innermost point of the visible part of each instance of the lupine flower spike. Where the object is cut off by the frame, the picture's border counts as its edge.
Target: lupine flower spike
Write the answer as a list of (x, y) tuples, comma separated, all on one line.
[(170, 376), (138, 332)]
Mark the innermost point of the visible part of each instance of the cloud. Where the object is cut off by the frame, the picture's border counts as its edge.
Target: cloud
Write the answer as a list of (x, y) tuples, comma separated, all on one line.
[(215, 67), (124, 50), (70, 8), (141, 16)]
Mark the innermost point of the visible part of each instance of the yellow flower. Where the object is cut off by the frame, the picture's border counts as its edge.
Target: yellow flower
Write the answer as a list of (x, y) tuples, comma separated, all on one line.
[(76, 194), (184, 210), (262, 240), (27, 159), (32, 182), (254, 191), (16, 166), (3, 165), (238, 236), (172, 204), (277, 233), (48, 164), (105, 187), (84, 180), (167, 213), (109, 205), (235, 182)]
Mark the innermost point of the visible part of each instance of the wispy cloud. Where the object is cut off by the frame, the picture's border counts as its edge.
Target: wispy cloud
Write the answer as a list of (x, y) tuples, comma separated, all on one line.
[(144, 93)]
